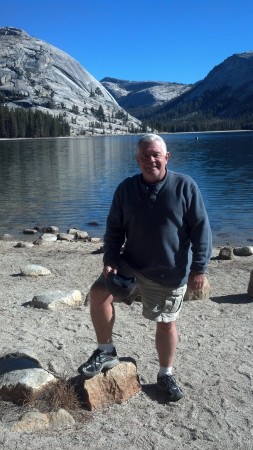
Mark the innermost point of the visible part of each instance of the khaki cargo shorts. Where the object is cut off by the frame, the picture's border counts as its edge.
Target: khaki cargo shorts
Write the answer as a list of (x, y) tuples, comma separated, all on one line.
[(160, 303)]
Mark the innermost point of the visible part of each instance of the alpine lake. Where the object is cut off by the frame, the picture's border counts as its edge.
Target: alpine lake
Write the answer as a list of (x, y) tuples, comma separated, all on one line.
[(69, 182)]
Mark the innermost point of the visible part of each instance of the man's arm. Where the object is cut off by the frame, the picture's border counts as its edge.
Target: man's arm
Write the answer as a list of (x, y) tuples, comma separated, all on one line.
[(115, 234)]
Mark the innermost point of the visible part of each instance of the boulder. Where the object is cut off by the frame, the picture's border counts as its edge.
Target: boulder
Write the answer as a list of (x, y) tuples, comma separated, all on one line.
[(34, 270), (201, 294), (226, 253), (243, 251), (18, 385), (57, 299), (36, 421), (116, 385)]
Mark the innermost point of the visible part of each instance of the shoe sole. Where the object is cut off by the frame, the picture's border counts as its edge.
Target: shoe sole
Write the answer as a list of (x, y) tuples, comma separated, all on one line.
[(169, 397), (106, 366)]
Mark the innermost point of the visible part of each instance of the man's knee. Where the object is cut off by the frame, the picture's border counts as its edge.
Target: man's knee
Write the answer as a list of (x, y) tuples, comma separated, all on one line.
[(166, 327), (99, 293)]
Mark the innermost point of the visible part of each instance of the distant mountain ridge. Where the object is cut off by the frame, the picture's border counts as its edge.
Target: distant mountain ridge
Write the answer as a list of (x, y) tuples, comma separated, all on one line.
[(226, 92), (34, 74), (137, 95)]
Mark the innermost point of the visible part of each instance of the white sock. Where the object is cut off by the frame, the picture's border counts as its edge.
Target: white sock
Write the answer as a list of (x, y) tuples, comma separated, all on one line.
[(106, 347), (165, 371)]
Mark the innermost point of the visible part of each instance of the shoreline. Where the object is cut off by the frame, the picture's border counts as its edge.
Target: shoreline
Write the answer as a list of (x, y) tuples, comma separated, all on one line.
[(213, 362), (124, 134), (221, 239)]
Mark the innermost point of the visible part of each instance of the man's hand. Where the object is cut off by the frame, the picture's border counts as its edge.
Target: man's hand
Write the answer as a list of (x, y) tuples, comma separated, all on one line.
[(108, 269), (195, 281)]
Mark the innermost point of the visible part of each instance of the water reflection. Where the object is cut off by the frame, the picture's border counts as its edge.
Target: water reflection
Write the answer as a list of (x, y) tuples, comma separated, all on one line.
[(70, 182)]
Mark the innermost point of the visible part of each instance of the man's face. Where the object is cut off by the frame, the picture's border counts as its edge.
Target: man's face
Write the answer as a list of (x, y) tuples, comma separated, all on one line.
[(152, 161)]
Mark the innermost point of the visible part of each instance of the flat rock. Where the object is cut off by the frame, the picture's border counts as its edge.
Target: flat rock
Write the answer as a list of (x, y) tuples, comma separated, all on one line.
[(116, 385), (37, 421), (30, 231), (65, 237), (57, 299), (34, 270)]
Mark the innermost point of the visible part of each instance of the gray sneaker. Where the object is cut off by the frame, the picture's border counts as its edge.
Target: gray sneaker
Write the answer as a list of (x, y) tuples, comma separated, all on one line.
[(98, 361), (167, 385)]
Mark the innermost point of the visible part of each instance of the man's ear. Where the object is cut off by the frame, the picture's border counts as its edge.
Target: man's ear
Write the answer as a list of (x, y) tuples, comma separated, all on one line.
[(167, 156)]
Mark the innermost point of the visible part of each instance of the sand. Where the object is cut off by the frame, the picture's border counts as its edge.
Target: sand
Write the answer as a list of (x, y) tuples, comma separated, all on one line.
[(213, 364)]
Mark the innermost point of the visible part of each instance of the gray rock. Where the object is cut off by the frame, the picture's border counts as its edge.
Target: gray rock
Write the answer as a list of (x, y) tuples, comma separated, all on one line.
[(17, 385), (30, 231), (49, 237), (51, 230), (37, 421), (226, 253), (65, 237), (82, 234), (34, 270), (243, 251), (57, 299)]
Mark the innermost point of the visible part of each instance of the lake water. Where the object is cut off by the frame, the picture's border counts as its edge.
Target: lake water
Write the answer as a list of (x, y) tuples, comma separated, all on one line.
[(69, 182)]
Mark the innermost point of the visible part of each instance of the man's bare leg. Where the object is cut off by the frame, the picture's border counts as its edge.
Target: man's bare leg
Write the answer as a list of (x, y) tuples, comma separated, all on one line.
[(166, 342), (102, 313)]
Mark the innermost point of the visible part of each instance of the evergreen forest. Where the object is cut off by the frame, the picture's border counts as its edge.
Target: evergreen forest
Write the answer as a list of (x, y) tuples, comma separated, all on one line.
[(22, 123)]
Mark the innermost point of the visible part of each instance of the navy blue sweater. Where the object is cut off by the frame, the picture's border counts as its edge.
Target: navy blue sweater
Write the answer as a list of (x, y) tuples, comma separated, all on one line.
[(165, 228)]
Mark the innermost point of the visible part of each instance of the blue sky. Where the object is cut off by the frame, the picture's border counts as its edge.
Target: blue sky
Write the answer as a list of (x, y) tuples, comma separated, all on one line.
[(147, 40)]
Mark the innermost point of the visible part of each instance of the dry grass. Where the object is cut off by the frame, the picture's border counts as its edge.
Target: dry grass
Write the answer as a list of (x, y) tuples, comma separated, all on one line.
[(63, 394)]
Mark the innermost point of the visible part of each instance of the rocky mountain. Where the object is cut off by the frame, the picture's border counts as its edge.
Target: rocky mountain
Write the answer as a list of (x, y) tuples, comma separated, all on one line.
[(226, 92), (135, 96), (34, 74)]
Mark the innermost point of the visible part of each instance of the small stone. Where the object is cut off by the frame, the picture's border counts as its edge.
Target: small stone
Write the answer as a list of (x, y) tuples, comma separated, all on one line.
[(61, 419), (226, 253), (34, 270), (31, 421), (73, 231), (37, 421), (65, 237), (49, 237), (51, 230), (30, 231), (57, 299), (243, 251), (95, 240), (82, 234)]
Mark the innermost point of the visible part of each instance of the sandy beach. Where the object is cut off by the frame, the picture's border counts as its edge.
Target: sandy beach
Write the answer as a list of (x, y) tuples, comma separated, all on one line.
[(214, 363)]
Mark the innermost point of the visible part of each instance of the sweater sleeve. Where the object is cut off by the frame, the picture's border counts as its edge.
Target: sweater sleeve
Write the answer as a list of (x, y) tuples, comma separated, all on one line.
[(115, 234), (200, 231)]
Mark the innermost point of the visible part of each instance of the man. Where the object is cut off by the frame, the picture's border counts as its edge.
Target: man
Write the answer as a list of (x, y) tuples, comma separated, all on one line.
[(160, 217)]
